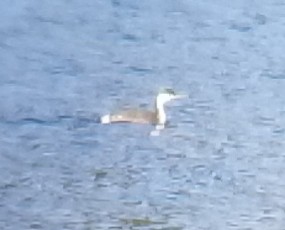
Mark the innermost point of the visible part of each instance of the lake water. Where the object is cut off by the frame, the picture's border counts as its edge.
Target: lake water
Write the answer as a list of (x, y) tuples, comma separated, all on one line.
[(218, 165)]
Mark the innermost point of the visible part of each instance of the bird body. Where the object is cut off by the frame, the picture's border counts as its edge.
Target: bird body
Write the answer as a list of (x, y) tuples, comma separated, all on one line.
[(131, 115), (155, 117)]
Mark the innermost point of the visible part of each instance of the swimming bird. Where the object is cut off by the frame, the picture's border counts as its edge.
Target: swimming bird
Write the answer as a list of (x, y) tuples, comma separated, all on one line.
[(156, 117)]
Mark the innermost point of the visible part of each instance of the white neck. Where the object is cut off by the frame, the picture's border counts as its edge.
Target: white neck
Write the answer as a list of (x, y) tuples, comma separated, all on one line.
[(161, 113)]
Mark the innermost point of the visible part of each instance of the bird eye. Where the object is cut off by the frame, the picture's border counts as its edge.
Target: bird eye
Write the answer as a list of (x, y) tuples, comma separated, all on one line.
[(170, 91)]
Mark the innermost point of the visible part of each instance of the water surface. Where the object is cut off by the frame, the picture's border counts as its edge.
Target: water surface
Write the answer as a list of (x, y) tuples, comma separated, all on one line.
[(218, 165)]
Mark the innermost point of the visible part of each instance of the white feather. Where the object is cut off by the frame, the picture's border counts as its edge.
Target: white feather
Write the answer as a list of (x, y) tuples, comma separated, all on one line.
[(106, 119)]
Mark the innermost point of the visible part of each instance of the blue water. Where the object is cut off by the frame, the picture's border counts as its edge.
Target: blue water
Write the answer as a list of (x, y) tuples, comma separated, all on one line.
[(218, 165)]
